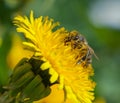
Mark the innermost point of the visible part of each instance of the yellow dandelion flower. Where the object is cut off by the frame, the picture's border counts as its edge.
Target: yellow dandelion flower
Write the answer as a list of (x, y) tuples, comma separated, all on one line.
[(47, 42)]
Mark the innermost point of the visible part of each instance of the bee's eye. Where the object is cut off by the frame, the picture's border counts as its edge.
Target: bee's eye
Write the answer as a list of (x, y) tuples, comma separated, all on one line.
[(82, 38)]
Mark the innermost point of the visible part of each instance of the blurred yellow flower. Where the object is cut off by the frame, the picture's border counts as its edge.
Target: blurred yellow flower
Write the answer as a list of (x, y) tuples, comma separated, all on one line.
[(99, 100), (47, 42), (17, 52)]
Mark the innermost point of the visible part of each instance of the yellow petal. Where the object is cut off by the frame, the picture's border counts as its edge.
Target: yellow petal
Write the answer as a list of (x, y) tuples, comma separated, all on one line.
[(45, 66), (54, 75)]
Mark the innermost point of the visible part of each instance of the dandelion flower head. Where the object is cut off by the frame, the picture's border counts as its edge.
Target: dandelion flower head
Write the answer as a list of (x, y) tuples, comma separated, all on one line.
[(46, 40)]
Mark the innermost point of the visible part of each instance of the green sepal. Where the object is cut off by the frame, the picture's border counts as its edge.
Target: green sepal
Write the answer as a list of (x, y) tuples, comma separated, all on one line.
[(36, 86), (23, 81), (27, 83), (20, 71)]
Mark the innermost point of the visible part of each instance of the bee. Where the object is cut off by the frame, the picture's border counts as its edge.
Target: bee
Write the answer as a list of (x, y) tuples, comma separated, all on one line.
[(78, 41)]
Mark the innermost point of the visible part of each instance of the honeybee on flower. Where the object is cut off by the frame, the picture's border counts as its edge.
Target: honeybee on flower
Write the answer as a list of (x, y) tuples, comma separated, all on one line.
[(78, 41)]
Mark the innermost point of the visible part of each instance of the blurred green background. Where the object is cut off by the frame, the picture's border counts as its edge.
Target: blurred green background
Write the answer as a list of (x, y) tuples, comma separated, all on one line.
[(98, 20)]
